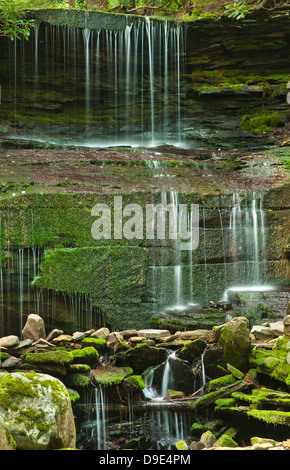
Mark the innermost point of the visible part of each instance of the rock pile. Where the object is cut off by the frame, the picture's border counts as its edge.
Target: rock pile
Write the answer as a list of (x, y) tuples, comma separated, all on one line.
[(70, 363)]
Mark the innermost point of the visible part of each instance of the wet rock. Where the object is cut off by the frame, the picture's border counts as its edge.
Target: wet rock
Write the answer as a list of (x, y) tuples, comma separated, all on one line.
[(195, 445), (62, 339), (141, 357), (26, 343), (192, 350), (34, 328)]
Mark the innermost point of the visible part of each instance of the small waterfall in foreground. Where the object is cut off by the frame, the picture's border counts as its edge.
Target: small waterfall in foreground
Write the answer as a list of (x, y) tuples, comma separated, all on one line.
[(168, 379), (101, 418)]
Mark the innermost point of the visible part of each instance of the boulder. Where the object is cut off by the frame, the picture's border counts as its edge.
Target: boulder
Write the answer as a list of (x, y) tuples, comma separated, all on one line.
[(141, 357), (234, 338), (37, 410), (192, 350), (34, 328)]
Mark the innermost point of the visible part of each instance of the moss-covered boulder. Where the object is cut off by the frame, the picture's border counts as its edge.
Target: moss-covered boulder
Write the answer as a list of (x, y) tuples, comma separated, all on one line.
[(275, 363), (58, 357), (225, 441), (234, 338), (37, 410), (133, 384), (97, 343), (110, 375), (78, 381), (192, 350), (87, 355), (141, 357)]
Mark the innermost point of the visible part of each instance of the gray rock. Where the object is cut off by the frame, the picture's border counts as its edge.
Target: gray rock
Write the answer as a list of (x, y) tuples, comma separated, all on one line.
[(11, 362), (54, 334), (9, 341)]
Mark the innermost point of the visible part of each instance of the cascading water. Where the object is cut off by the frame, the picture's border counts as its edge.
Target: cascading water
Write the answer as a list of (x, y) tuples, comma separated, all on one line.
[(110, 87), (248, 245), (168, 379), (101, 429)]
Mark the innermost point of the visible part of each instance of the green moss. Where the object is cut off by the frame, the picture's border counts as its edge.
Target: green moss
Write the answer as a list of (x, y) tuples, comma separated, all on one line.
[(226, 441), (78, 381), (224, 402), (50, 357), (87, 355), (74, 395), (98, 344), (79, 368), (111, 375), (181, 445), (261, 123), (13, 390), (223, 381), (271, 416)]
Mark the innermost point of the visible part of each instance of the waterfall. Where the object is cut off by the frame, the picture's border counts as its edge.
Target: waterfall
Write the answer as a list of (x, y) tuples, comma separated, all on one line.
[(100, 401), (167, 427), (167, 380), (121, 87), (247, 245), (149, 391)]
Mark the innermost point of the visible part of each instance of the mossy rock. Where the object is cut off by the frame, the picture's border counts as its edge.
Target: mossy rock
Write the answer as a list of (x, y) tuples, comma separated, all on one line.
[(111, 375), (78, 369), (60, 357), (133, 384), (141, 357), (181, 445), (225, 441), (192, 350), (78, 381), (3, 356), (98, 344), (220, 382), (37, 410), (87, 355), (74, 395)]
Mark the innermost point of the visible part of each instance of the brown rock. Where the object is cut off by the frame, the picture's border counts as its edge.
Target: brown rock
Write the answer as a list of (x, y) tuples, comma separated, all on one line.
[(34, 328)]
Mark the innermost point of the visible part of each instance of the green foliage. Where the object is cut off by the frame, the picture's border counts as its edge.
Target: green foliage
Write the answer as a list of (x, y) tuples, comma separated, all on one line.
[(13, 22), (237, 10)]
